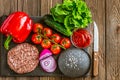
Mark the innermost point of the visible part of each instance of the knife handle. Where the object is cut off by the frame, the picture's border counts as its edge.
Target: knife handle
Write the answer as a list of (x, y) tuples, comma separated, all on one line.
[(95, 64)]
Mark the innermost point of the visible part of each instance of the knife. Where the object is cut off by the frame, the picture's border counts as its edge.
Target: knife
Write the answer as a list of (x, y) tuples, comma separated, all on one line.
[(96, 50)]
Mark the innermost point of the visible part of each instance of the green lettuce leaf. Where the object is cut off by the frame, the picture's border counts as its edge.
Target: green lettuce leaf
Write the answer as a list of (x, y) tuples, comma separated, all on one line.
[(72, 13)]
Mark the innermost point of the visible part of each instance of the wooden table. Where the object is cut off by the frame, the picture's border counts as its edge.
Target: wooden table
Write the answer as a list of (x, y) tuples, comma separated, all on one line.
[(106, 13)]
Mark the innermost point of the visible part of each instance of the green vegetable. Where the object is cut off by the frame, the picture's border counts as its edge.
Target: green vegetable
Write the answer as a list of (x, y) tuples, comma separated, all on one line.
[(72, 14), (48, 19)]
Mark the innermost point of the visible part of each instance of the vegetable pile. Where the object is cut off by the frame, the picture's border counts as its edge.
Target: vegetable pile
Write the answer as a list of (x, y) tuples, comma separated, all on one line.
[(65, 18), (45, 37), (72, 13)]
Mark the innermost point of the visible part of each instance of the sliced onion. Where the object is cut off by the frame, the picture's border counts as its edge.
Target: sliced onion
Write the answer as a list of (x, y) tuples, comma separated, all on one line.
[(45, 53), (48, 64)]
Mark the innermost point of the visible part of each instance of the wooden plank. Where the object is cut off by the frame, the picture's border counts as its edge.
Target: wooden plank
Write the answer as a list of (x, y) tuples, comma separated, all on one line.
[(31, 7), (98, 11), (27, 78), (1, 13), (6, 7), (45, 6), (1, 8), (13, 5), (113, 39)]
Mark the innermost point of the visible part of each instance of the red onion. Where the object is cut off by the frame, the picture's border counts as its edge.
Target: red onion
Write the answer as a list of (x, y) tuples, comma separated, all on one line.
[(45, 53), (47, 62)]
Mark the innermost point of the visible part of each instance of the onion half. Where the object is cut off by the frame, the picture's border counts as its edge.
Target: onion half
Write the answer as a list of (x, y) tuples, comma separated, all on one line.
[(47, 61)]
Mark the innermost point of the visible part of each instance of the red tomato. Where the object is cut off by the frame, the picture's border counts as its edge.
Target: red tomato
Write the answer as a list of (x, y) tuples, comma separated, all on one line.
[(55, 49), (56, 38), (47, 32), (46, 43), (36, 39), (37, 28), (65, 42)]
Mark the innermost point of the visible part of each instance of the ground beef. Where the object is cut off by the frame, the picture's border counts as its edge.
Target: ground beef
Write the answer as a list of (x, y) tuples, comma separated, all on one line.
[(23, 58)]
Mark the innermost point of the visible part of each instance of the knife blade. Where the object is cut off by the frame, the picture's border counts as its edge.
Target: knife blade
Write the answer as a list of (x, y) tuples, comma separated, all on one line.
[(96, 50)]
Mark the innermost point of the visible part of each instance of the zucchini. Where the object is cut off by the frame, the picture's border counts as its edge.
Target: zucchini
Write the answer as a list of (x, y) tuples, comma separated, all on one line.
[(55, 25)]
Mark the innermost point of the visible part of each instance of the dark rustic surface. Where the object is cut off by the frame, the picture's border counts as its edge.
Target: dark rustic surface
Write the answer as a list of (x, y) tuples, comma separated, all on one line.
[(106, 13)]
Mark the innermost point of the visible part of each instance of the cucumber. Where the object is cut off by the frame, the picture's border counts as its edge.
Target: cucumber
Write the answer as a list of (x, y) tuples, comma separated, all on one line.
[(55, 25)]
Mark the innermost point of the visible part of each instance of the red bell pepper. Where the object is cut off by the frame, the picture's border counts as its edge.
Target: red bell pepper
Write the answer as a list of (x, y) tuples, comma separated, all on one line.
[(17, 26)]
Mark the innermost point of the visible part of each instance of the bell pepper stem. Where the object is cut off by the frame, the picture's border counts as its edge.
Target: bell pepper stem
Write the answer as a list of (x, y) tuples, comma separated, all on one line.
[(7, 42)]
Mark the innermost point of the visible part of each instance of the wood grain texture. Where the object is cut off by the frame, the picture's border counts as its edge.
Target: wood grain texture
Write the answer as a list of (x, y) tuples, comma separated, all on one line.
[(95, 64), (7, 7), (1, 7), (113, 39), (106, 13), (98, 11), (13, 6)]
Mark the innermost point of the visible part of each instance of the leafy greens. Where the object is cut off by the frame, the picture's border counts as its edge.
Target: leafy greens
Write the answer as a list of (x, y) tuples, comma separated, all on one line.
[(72, 13)]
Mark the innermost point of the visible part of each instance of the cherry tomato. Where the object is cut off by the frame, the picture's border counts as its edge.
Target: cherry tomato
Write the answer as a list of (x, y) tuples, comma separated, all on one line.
[(37, 28), (47, 32), (65, 42), (56, 38), (36, 39), (46, 43), (55, 49)]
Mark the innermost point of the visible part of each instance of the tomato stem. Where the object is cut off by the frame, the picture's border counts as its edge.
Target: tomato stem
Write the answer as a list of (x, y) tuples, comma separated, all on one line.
[(52, 41), (57, 44)]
